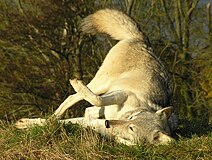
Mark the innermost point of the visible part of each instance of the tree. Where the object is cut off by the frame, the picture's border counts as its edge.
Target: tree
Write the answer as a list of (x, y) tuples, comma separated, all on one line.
[(179, 32), (42, 48)]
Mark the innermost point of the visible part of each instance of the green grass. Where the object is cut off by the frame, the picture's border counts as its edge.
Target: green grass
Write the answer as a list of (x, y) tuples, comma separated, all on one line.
[(59, 142)]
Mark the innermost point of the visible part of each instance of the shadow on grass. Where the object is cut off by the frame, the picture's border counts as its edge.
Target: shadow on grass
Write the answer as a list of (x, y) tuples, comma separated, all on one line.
[(188, 128)]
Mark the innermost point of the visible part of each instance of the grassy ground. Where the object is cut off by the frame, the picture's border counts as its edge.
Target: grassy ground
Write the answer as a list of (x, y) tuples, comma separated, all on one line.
[(57, 142)]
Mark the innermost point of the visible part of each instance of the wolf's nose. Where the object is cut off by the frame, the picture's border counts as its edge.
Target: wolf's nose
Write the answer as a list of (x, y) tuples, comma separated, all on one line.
[(164, 139), (107, 124)]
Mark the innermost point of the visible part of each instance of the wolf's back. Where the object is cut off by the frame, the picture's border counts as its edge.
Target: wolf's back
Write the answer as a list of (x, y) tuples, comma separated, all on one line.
[(115, 23)]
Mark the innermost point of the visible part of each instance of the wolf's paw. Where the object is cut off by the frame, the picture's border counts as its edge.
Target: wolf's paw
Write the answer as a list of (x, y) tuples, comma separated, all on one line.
[(85, 92), (27, 123), (78, 86)]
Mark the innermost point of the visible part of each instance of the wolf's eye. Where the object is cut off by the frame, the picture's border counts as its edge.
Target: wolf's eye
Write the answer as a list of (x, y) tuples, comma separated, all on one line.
[(156, 137), (131, 128), (132, 117)]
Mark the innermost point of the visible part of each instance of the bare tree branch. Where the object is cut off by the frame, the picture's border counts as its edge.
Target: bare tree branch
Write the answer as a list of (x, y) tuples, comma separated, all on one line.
[(129, 5), (171, 24)]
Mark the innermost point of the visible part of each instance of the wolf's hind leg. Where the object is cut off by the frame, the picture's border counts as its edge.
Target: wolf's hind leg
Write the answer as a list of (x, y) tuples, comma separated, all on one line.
[(115, 97)]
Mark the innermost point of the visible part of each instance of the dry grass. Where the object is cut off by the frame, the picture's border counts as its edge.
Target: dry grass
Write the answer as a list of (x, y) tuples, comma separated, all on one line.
[(69, 142)]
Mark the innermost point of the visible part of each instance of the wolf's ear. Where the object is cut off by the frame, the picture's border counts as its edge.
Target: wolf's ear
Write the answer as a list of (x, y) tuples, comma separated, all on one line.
[(168, 111)]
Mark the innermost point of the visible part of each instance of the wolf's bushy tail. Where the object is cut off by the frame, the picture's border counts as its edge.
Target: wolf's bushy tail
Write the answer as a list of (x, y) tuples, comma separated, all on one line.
[(115, 23)]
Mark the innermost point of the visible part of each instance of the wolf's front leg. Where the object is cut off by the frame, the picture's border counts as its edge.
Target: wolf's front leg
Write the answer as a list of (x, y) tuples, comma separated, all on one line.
[(27, 123), (99, 125)]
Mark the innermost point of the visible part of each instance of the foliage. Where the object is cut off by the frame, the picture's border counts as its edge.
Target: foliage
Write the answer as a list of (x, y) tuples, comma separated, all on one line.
[(37, 54)]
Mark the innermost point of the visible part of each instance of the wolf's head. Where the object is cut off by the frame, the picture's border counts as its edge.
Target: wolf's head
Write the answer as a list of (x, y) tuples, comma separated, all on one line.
[(145, 126)]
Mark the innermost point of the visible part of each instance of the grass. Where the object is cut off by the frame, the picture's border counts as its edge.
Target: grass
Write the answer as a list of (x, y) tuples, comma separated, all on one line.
[(59, 142)]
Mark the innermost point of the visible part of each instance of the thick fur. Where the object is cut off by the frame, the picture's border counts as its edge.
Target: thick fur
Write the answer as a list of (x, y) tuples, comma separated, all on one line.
[(118, 25), (131, 91), (130, 57)]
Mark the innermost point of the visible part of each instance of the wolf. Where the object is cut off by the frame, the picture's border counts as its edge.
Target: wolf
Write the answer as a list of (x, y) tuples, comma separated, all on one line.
[(130, 93)]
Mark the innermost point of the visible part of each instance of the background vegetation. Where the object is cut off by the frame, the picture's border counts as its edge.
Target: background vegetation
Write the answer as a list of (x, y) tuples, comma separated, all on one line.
[(41, 48)]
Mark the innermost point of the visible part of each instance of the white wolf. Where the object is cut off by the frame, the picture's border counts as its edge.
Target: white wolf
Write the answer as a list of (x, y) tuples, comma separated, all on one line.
[(130, 93)]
